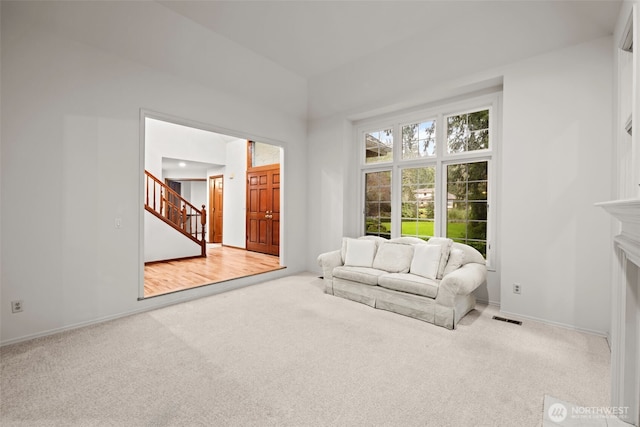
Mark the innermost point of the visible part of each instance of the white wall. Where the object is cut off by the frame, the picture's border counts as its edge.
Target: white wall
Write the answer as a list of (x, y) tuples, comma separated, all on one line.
[(71, 127), (164, 139), (162, 242), (198, 194), (235, 195), (556, 163)]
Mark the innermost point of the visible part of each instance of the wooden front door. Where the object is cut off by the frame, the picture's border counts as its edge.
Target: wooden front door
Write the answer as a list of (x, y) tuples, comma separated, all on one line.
[(215, 208), (263, 209)]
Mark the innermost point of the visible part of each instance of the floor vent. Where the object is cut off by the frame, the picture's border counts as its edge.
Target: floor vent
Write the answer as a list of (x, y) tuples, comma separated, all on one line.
[(504, 319)]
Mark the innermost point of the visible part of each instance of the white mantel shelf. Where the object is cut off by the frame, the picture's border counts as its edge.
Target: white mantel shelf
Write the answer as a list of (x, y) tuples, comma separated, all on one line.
[(628, 213)]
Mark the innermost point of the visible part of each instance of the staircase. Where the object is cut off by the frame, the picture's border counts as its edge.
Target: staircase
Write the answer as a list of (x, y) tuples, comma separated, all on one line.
[(174, 210)]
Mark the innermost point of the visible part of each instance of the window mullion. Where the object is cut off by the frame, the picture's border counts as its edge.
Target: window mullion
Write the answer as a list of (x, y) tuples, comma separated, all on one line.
[(441, 189), (396, 184)]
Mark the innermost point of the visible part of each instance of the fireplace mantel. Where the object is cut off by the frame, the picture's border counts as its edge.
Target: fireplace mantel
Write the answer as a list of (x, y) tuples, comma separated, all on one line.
[(625, 322), (628, 213)]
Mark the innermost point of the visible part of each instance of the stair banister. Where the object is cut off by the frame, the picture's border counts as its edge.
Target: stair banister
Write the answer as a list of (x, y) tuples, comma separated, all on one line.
[(175, 210)]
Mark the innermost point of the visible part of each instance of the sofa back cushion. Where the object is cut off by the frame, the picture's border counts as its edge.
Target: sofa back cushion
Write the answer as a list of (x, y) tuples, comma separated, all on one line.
[(445, 247), (393, 257), (343, 252), (359, 252), (426, 260), (456, 260), (407, 240)]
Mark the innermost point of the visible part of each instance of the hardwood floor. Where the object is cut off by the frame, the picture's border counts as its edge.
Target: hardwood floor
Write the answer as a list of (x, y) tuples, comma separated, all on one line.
[(222, 263)]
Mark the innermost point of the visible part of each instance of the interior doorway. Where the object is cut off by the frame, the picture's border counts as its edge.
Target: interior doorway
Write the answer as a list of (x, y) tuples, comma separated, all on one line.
[(216, 207), (186, 152)]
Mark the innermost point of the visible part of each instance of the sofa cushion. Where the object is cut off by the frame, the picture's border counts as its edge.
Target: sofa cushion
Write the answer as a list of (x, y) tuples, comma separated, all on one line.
[(393, 257), (365, 275), (409, 283), (456, 260), (343, 249), (426, 261), (445, 247), (359, 252)]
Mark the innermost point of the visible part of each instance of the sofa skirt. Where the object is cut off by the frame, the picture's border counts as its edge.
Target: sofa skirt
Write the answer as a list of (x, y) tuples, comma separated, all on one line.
[(415, 306)]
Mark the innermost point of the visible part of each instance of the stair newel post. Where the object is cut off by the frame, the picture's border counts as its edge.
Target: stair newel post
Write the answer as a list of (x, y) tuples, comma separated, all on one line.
[(203, 222)]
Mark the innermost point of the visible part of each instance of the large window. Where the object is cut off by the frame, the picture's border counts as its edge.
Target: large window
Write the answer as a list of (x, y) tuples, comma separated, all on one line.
[(438, 180)]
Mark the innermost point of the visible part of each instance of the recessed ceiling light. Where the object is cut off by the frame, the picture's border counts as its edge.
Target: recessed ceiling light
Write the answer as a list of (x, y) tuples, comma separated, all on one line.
[(182, 164)]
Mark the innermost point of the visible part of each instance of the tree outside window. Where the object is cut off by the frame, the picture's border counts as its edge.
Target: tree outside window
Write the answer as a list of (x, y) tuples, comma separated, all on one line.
[(468, 132), (418, 202), (378, 204), (467, 188)]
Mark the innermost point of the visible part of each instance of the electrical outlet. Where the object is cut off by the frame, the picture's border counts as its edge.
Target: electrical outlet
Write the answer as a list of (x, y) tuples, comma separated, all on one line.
[(517, 289), (16, 306)]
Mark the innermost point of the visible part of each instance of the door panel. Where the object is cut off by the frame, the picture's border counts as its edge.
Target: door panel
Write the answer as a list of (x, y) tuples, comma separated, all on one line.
[(216, 198), (263, 209)]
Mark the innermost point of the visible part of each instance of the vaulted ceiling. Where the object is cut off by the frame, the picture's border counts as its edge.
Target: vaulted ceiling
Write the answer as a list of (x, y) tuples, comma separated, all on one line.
[(310, 38), (313, 59), (356, 54)]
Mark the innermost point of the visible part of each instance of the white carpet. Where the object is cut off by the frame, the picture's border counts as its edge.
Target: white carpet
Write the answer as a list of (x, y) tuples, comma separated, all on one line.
[(283, 353)]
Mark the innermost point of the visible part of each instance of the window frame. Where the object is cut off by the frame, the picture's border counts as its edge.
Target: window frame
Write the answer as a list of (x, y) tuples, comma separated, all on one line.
[(440, 161)]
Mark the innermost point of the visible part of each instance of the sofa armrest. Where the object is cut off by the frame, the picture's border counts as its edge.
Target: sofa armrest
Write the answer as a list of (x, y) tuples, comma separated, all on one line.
[(462, 281), (328, 261)]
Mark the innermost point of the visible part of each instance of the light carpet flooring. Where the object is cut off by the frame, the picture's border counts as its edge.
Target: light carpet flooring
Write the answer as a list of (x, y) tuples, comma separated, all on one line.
[(283, 353)]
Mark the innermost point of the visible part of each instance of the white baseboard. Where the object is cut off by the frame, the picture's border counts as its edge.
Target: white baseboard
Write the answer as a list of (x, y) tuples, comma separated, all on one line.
[(487, 302), (186, 295), (559, 324)]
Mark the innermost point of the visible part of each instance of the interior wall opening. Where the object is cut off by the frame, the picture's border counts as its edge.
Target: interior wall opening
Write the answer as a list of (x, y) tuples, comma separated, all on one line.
[(211, 206)]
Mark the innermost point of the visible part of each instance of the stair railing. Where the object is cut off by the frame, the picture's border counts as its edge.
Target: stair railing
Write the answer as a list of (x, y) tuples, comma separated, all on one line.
[(173, 209)]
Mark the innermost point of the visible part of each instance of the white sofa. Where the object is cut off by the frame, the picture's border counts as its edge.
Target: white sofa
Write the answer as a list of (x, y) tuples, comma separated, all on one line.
[(432, 281)]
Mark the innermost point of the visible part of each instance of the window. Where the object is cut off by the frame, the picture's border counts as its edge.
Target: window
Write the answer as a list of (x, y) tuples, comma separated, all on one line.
[(378, 204), (379, 146), (467, 201), (438, 180), (261, 154), (468, 132), (418, 201), (419, 140)]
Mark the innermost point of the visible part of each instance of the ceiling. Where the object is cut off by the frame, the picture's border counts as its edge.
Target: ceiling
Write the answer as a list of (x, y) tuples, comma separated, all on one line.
[(319, 58), (186, 168), (311, 38)]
